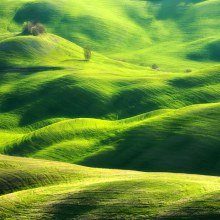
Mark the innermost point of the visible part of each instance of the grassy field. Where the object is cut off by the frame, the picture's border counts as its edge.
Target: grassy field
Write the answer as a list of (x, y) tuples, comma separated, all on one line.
[(76, 136), (37, 189), (183, 140), (176, 35)]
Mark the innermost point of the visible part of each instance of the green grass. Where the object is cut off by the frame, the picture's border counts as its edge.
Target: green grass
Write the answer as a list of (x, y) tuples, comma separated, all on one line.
[(183, 140), (55, 113), (51, 190), (111, 112), (66, 114), (176, 35), (46, 50)]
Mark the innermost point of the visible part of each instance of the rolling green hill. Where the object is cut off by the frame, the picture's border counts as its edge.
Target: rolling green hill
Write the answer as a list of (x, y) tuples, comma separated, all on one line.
[(45, 111), (47, 50), (51, 190), (183, 140), (176, 35), (61, 115)]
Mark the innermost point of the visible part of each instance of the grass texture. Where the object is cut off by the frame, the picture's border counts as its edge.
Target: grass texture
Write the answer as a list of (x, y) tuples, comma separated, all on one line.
[(37, 189), (176, 35)]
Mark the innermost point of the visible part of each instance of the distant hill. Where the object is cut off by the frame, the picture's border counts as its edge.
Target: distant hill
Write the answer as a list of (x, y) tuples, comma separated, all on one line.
[(177, 35), (31, 51)]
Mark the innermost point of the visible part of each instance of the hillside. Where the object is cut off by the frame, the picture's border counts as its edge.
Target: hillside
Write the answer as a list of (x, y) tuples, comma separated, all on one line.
[(177, 35), (51, 190), (183, 140), (30, 51), (114, 137), (45, 111)]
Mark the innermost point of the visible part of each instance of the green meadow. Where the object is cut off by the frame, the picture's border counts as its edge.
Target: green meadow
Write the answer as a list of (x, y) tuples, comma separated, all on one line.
[(133, 132)]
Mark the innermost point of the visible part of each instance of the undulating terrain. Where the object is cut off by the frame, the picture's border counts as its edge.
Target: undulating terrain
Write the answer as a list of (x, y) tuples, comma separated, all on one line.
[(133, 133)]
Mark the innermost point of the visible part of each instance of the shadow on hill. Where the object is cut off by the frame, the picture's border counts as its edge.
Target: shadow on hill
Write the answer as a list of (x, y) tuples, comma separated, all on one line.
[(210, 51), (68, 96), (195, 81), (91, 203), (203, 208), (28, 70), (168, 145), (61, 97), (173, 9), (146, 151), (134, 101), (36, 11), (13, 182), (81, 24)]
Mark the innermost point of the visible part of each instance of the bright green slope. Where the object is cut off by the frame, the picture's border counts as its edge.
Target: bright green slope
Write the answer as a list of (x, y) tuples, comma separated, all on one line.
[(37, 189), (183, 140), (177, 35), (49, 50)]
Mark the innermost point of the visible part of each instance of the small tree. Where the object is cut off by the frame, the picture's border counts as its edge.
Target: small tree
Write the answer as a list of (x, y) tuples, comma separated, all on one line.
[(33, 28), (87, 54), (26, 28), (155, 67), (188, 71)]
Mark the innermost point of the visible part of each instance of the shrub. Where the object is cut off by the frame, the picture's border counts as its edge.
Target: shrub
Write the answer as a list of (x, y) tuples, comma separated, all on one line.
[(87, 54), (188, 71), (33, 28), (155, 67)]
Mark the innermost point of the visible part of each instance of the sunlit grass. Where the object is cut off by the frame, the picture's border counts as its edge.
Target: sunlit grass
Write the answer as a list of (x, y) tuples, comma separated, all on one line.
[(58, 190)]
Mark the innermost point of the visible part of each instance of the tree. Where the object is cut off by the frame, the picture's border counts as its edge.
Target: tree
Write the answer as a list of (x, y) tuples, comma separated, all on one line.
[(188, 71), (87, 54), (33, 28), (155, 67)]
